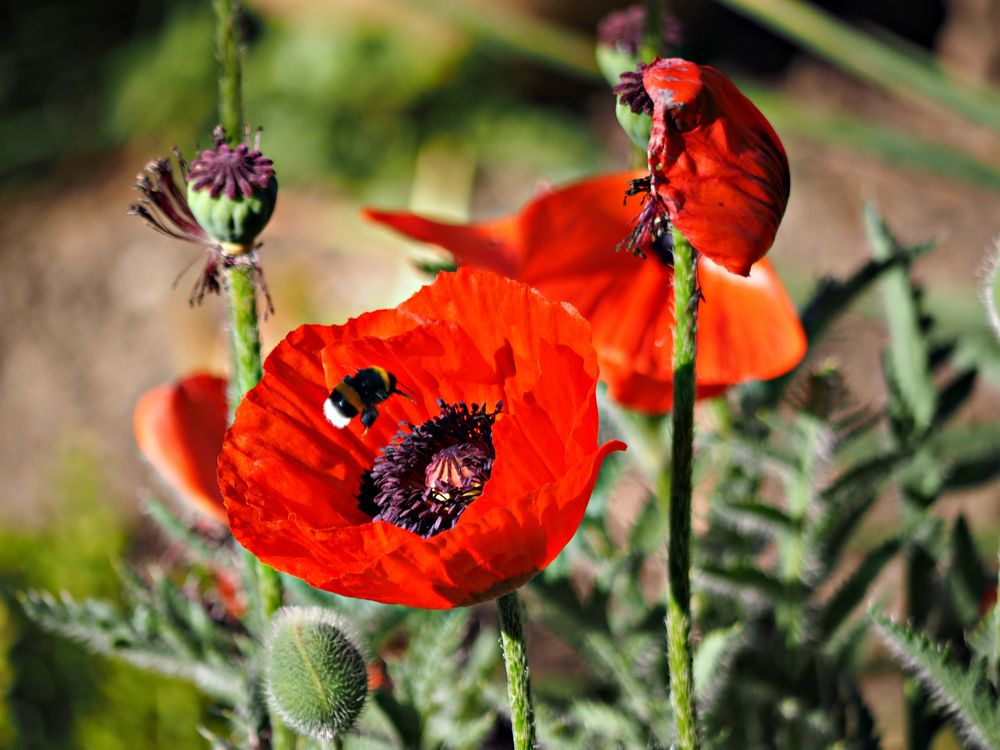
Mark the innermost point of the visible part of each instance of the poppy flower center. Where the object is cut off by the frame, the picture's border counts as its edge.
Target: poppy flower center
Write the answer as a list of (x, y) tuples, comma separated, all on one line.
[(425, 478)]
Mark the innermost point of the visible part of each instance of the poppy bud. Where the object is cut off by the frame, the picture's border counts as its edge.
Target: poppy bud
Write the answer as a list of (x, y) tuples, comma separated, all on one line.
[(232, 192), (317, 680)]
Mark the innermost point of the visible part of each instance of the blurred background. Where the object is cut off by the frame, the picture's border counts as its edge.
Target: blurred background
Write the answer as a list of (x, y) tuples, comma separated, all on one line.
[(458, 108)]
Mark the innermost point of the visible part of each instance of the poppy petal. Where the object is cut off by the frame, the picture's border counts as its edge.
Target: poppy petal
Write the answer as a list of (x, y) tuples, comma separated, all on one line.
[(718, 164), (748, 328), (492, 245), (179, 429), (291, 480)]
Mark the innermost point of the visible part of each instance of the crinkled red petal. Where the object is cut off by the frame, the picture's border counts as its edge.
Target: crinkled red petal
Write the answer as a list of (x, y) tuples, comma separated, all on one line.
[(748, 328), (179, 429), (722, 170), (290, 479)]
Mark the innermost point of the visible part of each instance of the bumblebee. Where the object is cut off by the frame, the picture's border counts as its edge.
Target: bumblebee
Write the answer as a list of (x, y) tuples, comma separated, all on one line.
[(359, 394)]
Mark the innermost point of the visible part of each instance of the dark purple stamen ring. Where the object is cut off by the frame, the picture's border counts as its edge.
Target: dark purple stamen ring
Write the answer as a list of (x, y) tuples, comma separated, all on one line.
[(425, 478)]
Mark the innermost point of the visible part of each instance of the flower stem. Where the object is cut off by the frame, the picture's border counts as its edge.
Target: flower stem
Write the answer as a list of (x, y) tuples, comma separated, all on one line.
[(515, 656), (240, 282), (678, 476), (227, 45), (652, 43), (244, 337)]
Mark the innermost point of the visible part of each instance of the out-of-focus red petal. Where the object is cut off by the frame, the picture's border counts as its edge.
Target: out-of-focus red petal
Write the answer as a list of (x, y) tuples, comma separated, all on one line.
[(494, 245), (721, 168), (179, 429), (748, 328), (291, 480)]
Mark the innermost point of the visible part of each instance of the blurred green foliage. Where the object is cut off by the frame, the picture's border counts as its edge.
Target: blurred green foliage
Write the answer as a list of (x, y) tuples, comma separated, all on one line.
[(58, 696), (343, 97)]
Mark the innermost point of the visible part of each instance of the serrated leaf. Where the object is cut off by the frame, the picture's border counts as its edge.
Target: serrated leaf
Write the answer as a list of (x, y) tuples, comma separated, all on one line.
[(607, 723), (835, 526), (853, 590), (953, 394), (984, 642), (832, 297), (749, 584), (909, 349), (972, 472), (966, 576), (103, 629), (712, 659), (174, 528), (964, 693), (861, 477), (757, 516)]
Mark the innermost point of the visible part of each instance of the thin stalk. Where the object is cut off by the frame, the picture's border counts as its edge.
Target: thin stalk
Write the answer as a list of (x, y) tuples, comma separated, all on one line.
[(227, 46), (678, 475), (244, 325), (244, 337), (515, 656), (652, 42)]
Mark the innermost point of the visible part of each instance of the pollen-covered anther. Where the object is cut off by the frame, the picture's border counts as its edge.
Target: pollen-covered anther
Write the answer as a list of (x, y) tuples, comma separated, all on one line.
[(425, 478), (458, 473)]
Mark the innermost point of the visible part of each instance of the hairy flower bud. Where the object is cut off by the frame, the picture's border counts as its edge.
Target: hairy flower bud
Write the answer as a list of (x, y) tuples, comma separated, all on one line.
[(316, 677), (232, 192)]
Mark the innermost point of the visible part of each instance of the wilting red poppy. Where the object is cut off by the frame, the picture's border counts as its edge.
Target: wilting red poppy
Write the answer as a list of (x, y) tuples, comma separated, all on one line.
[(480, 489), (563, 242), (179, 429), (717, 169)]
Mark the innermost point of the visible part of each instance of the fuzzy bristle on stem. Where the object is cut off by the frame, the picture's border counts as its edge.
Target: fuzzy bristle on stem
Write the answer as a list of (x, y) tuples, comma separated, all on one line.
[(677, 475)]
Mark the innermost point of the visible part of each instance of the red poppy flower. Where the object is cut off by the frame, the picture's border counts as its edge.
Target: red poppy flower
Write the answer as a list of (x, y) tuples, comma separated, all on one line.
[(481, 488), (562, 243), (718, 171), (179, 429)]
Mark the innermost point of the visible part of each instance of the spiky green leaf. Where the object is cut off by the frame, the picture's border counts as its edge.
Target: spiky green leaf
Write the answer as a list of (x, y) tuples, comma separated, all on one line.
[(964, 693)]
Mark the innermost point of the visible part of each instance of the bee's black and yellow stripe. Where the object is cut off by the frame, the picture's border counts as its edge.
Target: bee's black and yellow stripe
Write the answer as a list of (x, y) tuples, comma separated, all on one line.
[(359, 393), (346, 399)]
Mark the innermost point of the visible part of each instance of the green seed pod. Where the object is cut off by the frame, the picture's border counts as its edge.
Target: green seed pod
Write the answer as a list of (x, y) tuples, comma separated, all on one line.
[(615, 59), (636, 125), (316, 679), (233, 221), (232, 192)]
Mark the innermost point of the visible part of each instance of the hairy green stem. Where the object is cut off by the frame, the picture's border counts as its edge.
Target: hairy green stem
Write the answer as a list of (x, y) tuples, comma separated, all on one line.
[(227, 45), (240, 283), (244, 337), (515, 656), (679, 477)]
